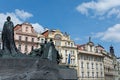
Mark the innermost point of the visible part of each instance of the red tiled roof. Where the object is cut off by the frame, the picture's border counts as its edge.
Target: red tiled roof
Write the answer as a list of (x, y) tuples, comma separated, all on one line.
[(17, 27), (45, 33), (81, 47)]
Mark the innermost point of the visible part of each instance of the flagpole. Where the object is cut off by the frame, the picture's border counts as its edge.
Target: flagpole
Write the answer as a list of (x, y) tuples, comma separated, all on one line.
[(69, 60)]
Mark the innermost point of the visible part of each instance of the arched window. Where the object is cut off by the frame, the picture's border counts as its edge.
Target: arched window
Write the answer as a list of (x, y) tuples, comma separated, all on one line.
[(58, 36)]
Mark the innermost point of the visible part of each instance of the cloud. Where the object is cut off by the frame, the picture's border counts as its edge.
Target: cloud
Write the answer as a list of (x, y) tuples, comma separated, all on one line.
[(112, 34), (18, 17), (100, 8), (23, 14), (39, 28), (13, 17), (77, 39)]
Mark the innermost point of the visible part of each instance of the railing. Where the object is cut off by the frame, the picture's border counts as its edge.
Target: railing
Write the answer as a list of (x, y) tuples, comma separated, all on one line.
[(91, 78)]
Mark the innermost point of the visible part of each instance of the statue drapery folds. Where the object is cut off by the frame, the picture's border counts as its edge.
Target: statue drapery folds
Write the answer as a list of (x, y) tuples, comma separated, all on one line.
[(8, 37)]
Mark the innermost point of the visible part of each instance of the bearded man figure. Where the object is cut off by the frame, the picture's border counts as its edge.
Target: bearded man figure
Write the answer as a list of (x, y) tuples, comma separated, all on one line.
[(9, 46)]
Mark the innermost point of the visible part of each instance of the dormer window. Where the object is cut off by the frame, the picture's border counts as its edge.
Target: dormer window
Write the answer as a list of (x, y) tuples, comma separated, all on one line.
[(90, 48), (26, 29), (71, 44), (68, 43)]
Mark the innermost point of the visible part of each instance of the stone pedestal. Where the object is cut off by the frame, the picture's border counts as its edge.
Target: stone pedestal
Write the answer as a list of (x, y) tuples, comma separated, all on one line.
[(33, 69)]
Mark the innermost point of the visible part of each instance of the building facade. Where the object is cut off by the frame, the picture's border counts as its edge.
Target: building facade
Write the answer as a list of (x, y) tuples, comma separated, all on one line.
[(25, 37), (118, 68), (110, 64), (90, 62), (64, 45)]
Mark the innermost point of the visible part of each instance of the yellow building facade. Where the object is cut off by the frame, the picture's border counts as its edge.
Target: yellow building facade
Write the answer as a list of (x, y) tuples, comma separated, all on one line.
[(64, 45)]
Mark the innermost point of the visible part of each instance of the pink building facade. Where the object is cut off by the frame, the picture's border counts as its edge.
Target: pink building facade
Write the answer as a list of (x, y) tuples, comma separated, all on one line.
[(25, 38)]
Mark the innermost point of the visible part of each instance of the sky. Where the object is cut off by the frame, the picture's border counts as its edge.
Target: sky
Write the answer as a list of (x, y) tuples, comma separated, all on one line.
[(81, 19)]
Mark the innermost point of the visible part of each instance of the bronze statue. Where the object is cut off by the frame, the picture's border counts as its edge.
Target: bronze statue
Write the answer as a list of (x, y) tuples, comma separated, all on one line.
[(47, 51), (9, 46), (50, 52)]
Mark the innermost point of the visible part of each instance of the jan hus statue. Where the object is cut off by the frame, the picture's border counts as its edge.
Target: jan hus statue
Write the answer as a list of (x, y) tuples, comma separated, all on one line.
[(9, 46)]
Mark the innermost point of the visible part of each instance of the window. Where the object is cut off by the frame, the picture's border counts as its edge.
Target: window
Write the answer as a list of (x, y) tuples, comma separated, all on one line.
[(26, 38), (19, 47), (57, 43), (101, 74), (91, 48), (92, 65), (96, 66), (82, 74), (89, 58), (19, 38), (96, 50), (101, 66), (38, 38), (88, 74), (65, 43), (72, 61), (32, 39), (82, 57), (85, 58), (81, 64), (93, 74), (66, 60), (58, 36), (71, 44), (97, 74), (66, 53), (68, 43), (73, 52), (25, 48), (42, 40), (92, 58), (32, 47), (87, 65), (26, 29)]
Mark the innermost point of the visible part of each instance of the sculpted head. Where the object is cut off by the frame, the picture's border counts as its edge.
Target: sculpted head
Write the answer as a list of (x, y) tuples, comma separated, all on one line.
[(8, 18)]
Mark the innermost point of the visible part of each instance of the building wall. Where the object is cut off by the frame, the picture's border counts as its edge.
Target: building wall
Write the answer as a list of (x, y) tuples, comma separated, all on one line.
[(90, 63), (64, 45), (25, 38), (109, 66)]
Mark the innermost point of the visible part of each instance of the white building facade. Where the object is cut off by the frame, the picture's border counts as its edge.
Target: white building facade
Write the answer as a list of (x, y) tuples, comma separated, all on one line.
[(90, 62)]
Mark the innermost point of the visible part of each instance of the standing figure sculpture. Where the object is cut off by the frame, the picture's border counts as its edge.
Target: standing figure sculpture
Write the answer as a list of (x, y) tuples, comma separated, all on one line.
[(50, 52), (9, 46)]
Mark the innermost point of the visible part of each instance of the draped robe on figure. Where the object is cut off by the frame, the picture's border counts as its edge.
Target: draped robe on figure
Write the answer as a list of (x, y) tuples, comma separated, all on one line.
[(8, 38)]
